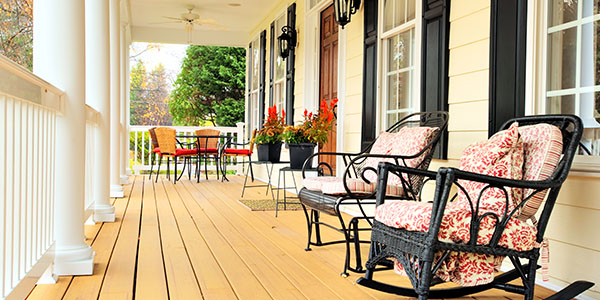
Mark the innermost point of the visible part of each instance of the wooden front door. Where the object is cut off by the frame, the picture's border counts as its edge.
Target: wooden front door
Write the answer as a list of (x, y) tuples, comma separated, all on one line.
[(328, 75)]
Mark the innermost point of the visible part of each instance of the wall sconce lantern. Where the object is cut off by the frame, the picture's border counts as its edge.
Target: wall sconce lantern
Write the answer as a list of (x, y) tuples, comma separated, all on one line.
[(287, 41), (344, 9)]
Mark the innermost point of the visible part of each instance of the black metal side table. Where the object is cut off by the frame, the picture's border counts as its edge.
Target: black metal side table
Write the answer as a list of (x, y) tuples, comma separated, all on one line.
[(285, 187), (270, 166)]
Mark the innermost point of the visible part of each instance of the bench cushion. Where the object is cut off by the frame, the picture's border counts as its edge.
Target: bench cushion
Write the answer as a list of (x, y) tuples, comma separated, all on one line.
[(357, 186)]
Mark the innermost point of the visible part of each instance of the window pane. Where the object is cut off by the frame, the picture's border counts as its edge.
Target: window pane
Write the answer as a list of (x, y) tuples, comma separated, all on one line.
[(399, 51), (392, 103), (590, 61), (391, 119), (591, 140), (590, 7), (562, 11), (388, 15), (279, 62), (411, 10), (561, 105), (399, 91), (255, 64), (400, 13), (562, 59)]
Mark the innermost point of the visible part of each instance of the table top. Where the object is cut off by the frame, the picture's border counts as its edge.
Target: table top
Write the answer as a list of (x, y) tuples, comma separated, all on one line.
[(193, 136)]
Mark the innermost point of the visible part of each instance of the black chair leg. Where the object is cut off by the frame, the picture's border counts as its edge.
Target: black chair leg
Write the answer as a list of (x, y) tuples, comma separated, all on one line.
[(151, 166), (354, 224), (317, 227), (308, 225), (250, 166), (168, 168), (158, 171), (175, 176)]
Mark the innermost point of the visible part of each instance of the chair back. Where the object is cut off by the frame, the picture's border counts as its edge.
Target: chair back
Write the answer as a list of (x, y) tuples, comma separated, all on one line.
[(153, 137), (252, 141), (208, 142), (167, 142)]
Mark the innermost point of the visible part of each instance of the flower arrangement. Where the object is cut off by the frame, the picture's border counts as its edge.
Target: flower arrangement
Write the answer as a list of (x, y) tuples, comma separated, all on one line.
[(315, 127), (272, 128)]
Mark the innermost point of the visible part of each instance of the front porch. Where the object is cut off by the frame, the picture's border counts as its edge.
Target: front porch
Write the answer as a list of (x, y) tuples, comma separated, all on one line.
[(196, 241)]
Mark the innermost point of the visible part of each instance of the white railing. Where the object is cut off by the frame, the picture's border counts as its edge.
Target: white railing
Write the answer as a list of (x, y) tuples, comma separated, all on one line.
[(91, 127), (28, 111), (140, 145)]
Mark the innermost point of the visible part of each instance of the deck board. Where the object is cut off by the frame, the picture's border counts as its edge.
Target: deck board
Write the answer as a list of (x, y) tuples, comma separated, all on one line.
[(196, 241)]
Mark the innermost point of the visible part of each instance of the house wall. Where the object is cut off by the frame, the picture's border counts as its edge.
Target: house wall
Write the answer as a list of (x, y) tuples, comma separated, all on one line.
[(574, 243), (575, 248)]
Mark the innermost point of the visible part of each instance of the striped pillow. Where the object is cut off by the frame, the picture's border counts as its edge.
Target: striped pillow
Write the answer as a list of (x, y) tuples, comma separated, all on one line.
[(543, 146)]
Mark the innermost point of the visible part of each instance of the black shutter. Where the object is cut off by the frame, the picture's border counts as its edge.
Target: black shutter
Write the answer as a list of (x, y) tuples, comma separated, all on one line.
[(369, 106), (249, 88), (434, 62), (261, 84), (290, 70), (507, 61), (272, 63)]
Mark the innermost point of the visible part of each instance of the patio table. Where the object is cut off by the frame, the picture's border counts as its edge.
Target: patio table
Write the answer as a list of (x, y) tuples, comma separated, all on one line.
[(205, 154)]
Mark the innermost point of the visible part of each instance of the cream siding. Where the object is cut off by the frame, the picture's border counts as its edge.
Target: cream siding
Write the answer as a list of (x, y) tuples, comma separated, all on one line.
[(574, 245)]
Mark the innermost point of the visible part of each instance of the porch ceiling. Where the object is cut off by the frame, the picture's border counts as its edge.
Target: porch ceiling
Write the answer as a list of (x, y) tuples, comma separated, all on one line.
[(236, 21)]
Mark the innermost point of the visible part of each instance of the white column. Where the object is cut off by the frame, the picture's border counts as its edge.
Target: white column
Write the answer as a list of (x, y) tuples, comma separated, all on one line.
[(97, 93), (59, 57), (116, 190), (124, 111)]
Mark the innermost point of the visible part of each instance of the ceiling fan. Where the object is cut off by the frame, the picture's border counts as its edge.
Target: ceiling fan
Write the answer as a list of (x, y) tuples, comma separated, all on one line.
[(189, 19)]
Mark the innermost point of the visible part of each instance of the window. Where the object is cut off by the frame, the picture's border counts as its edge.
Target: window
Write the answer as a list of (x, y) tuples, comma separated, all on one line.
[(255, 118), (279, 68), (398, 37), (572, 64)]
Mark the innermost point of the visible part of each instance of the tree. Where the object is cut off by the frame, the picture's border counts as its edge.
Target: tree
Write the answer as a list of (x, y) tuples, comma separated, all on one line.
[(209, 76), (149, 96), (16, 31)]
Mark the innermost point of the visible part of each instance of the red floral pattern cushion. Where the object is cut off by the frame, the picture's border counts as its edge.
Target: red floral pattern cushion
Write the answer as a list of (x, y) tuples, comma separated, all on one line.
[(500, 156), (466, 269), (357, 186), (407, 141), (316, 183), (543, 147)]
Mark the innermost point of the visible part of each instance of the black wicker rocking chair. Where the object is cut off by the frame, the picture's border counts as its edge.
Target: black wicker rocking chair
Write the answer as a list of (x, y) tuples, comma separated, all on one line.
[(415, 251), (355, 167)]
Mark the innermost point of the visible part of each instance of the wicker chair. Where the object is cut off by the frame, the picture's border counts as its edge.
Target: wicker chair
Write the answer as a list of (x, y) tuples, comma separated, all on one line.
[(422, 254), (230, 151), (155, 149), (360, 170), (208, 148), (167, 143)]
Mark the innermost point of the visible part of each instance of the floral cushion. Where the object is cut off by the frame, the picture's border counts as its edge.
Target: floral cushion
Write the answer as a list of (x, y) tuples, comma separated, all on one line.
[(543, 147), (466, 269), (500, 156), (316, 183), (357, 186), (407, 141)]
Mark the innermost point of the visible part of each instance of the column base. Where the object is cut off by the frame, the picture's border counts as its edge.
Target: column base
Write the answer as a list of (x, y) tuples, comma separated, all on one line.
[(124, 179), (104, 213), (74, 261), (128, 172), (116, 191)]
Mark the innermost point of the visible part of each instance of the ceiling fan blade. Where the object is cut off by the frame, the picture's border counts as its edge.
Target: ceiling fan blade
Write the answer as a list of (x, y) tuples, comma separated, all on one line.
[(213, 26), (172, 18), (168, 22), (205, 21)]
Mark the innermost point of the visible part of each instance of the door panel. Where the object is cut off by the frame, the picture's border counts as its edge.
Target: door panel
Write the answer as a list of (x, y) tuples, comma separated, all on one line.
[(328, 75)]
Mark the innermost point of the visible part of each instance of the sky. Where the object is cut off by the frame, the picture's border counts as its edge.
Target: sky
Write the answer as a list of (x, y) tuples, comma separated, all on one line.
[(170, 55)]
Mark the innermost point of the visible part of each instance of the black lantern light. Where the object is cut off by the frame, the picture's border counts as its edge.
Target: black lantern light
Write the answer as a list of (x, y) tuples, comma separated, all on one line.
[(344, 9), (287, 41)]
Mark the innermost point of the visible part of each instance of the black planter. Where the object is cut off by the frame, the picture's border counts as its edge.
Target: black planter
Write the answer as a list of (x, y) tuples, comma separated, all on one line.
[(299, 153), (269, 152)]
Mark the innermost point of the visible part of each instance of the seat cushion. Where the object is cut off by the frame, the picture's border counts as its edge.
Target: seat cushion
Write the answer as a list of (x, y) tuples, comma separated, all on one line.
[(237, 151), (500, 156), (466, 269), (406, 142), (357, 186), (181, 151), (208, 150), (316, 183), (542, 144), (156, 150)]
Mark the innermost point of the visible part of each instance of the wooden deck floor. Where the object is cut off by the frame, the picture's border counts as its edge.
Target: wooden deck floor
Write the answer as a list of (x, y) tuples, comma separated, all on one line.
[(196, 241)]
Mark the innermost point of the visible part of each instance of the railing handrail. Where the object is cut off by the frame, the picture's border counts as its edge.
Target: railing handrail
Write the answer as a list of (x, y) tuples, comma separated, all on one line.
[(183, 128), (91, 115), (25, 74)]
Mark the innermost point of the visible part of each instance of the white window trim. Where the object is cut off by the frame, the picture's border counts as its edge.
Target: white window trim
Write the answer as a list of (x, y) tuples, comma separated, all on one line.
[(252, 123), (382, 37), (535, 79)]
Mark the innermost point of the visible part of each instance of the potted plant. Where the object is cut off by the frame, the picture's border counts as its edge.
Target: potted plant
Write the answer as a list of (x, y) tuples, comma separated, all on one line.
[(314, 130), (268, 139)]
